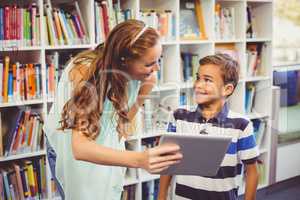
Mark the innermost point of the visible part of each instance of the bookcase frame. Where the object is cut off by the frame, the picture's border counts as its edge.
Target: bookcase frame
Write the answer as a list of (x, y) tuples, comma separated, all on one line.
[(171, 49)]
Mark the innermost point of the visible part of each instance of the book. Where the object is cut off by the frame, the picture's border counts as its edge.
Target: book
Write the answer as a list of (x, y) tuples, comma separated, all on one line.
[(189, 29)]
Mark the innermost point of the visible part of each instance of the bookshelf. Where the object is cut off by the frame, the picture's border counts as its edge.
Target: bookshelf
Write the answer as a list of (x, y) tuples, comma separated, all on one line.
[(169, 92)]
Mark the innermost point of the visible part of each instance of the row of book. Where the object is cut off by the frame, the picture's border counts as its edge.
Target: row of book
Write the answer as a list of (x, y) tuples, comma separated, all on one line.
[(251, 30), (64, 25), (53, 70), (19, 81), (150, 190), (224, 22), (24, 180), (250, 97), (259, 130), (190, 65), (163, 21), (108, 14), (192, 25), (19, 26), (129, 193), (22, 132), (256, 59)]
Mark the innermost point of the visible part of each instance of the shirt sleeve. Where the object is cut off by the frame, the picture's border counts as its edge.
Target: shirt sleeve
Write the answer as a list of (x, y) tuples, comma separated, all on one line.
[(246, 145)]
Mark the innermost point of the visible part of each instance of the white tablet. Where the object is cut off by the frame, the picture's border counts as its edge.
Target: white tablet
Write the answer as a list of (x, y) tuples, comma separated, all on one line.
[(202, 154)]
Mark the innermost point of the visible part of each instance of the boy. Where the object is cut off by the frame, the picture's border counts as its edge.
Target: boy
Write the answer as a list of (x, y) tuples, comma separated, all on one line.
[(217, 78)]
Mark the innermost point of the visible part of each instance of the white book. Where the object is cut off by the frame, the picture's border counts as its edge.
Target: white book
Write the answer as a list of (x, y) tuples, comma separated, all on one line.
[(170, 25)]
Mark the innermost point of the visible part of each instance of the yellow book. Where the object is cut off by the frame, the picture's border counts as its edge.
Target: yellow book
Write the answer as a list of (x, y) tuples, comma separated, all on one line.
[(200, 19), (5, 79), (31, 178)]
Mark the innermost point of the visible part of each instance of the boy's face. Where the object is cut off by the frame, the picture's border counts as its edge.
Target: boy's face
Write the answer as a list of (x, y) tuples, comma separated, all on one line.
[(209, 86)]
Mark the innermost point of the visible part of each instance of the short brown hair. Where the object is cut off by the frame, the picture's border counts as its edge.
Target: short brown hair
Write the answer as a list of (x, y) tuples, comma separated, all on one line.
[(229, 67)]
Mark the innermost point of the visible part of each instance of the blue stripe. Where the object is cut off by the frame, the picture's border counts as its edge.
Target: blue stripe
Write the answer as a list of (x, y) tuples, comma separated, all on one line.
[(246, 143), (241, 145)]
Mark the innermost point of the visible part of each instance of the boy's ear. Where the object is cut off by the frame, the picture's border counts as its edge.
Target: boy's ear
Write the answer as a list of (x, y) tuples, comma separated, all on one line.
[(228, 89)]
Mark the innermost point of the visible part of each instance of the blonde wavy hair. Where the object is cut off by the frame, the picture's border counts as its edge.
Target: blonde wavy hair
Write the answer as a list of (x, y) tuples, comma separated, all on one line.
[(100, 73)]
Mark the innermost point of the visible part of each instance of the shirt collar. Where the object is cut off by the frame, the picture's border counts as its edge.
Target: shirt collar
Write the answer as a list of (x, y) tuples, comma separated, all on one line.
[(219, 118)]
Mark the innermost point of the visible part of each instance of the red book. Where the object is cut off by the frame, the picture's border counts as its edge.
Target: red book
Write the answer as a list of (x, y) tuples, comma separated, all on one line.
[(13, 22), (18, 25), (105, 17), (6, 22)]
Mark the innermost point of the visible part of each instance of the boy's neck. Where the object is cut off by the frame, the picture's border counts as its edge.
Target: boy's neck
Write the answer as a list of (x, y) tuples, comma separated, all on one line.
[(209, 111)]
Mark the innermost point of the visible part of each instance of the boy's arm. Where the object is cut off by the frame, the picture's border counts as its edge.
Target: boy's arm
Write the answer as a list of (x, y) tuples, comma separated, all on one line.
[(251, 181), (164, 184)]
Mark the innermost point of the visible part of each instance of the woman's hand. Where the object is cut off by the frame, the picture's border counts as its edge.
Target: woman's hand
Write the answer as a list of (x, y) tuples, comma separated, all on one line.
[(148, 83), (160, 158)]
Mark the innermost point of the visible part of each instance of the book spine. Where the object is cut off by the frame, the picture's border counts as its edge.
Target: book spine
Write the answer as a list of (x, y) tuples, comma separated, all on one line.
[(33, 23)]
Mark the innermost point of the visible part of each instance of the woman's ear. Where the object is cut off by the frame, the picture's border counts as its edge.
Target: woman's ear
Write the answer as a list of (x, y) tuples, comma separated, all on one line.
[(228, 89)]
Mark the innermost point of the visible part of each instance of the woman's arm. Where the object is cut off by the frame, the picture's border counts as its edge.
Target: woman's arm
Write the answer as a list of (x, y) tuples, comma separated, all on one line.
[(153, 160)]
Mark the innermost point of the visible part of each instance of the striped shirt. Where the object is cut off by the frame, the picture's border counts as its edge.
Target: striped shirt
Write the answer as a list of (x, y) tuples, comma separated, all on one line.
[(242, 150)]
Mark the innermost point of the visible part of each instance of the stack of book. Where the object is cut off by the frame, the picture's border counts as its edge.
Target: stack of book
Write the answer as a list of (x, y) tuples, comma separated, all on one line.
[(255, 59), (163, 21), (250, 97), (224, 22), (251, 28), (108, 13), (23, 132), (24, 180), (190, 65), (19, 82), (192, 26), (65, 26), (19, 26), (150, 190), (129, 193)]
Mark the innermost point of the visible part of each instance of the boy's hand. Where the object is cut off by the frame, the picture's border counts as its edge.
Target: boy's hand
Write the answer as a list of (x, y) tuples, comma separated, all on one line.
[(160, 158)]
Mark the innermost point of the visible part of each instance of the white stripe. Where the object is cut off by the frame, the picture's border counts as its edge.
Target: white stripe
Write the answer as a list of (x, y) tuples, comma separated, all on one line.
[(230, 160), (248, 154), (176, 197), (209, 184), (248, 131)]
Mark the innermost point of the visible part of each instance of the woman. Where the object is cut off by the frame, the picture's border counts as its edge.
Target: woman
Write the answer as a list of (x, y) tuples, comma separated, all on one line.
[(98, 95)]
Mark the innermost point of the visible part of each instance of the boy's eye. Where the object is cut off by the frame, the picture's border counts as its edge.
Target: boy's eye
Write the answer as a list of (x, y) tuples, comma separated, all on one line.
[(207, 80)]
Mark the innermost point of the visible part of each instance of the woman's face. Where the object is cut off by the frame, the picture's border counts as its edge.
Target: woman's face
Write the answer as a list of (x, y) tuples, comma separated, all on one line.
[(142, 68)]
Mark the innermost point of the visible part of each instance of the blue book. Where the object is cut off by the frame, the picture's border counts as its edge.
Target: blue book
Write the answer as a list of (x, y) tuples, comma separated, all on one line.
[(1, 24), (38, 80), (127, 14), (6, 185), (10, 86), (186, 66)]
